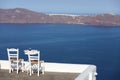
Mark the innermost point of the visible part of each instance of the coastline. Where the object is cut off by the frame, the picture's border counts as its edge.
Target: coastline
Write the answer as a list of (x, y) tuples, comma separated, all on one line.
[(25, 16)]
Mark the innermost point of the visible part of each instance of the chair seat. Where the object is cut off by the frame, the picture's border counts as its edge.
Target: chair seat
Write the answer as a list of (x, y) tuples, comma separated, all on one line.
[(15, 59), (36, 62)]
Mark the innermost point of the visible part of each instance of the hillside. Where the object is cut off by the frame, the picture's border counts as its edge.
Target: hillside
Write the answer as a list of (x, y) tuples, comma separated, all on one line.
[(20, 15)]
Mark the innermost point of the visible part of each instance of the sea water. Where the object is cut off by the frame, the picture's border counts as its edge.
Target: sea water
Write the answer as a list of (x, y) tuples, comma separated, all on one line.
[(78, 44)]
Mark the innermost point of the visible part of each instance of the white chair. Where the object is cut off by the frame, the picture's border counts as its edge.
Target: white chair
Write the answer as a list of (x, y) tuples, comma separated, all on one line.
[(34, 62), (14, 62)]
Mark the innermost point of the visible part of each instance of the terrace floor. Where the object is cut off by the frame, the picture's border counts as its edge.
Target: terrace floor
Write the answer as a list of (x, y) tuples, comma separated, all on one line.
[(5, 75)]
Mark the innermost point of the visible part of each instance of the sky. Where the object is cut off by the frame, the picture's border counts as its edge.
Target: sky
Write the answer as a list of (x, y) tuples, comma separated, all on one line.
[(65, 6)]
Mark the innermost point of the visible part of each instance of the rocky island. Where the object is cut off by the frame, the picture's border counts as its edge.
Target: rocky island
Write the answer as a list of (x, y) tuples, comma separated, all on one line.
[(20, 15)]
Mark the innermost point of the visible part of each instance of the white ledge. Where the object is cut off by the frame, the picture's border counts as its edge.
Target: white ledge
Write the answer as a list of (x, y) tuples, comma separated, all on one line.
[(87, 72)]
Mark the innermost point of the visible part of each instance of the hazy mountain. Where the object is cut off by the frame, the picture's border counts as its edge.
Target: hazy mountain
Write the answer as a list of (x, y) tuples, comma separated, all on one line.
[(19, 15)]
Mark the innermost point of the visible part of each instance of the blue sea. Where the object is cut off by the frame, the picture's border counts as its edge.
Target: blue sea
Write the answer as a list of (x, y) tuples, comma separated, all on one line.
[(78, 44)]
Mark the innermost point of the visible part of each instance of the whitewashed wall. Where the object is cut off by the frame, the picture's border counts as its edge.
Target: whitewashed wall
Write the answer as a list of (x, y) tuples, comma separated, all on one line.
[(4, 64), (53, 67), (64, 67), (87, 72)]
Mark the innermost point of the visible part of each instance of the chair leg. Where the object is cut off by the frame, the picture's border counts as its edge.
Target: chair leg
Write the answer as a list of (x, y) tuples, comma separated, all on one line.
[(38, 71), (30, 71), (43, 70), (10, 68), (17, 67), (22, 65)]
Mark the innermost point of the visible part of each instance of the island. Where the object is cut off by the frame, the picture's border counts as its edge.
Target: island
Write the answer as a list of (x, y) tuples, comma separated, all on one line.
[(20, 15)]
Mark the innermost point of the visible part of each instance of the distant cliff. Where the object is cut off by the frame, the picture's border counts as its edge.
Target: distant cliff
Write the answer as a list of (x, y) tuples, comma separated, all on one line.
[(19, 15)]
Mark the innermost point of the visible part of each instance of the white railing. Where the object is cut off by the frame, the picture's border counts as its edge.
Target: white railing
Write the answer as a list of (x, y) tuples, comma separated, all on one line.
[(87, 72), (65, 67)]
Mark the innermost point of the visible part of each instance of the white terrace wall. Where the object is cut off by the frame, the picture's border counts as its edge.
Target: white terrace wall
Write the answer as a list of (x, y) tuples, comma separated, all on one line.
[(64, 67), (87, 72), (53, 67), (4, 64)]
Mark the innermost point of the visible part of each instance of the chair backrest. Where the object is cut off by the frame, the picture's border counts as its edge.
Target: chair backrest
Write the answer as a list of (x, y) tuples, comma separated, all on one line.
[(13, 53), (35, 56)]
